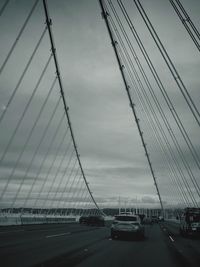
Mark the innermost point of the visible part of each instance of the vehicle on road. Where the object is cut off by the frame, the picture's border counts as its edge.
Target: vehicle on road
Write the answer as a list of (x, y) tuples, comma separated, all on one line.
[(83, 219), (190, 222), (92, 220), (96, 221), (154, 219), (127, 226)]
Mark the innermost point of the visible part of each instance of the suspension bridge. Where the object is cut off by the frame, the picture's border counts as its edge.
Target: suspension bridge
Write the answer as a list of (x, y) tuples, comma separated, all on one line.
[(43, 179)]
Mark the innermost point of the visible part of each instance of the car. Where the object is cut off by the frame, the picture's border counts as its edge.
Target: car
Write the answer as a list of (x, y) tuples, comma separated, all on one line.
[(92, 220), (190, 222), (127, 226), (95, 220), (83, 219), (154, 219)]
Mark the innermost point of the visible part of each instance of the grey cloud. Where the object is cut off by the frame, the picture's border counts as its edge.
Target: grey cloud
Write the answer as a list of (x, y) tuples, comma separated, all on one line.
[(105, 131)]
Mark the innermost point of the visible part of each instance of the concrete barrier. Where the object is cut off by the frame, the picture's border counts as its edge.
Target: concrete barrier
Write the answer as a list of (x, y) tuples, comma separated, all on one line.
[(30, 219)]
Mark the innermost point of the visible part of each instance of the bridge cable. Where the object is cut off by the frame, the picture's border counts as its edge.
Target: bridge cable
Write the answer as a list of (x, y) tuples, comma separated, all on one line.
[(160, 107), (159, 83), (71, 189), (22, 75), (49, 24), (76, 193), (141, 100), (68, 191), (37, 149), (67, 181), (28, 138), (18, 125), (188, 19), (79, 197), (168, 62), (3, 7), (159, 140), (18, 36), (25, 109), (104, 13), (57, 151), (58, 169), (191, 29), (63, 176), (48, 149), (59, 186), (138, 64), (55, 156), (154, 129)]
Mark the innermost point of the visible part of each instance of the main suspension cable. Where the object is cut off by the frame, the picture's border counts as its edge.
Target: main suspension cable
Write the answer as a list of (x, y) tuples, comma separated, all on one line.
[(49, 24), (105, 16)]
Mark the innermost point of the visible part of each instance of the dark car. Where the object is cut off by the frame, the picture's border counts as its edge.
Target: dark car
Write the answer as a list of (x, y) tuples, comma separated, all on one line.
[(154, 219), (95, 221), (83, 219)]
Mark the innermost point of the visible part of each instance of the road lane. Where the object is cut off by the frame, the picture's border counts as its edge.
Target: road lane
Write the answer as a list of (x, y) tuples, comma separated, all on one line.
[(186, 248), (32, 247), (76, 245)]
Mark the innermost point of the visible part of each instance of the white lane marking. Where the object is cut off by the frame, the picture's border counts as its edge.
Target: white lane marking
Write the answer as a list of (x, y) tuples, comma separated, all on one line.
[(49, 236), (171, 238)]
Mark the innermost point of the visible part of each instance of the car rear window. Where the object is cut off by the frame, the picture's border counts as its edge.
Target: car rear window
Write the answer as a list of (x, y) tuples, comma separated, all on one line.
[(126, 218)]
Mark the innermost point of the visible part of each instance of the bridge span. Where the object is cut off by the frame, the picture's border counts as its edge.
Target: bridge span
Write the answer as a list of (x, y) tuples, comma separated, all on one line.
[(74, 144)]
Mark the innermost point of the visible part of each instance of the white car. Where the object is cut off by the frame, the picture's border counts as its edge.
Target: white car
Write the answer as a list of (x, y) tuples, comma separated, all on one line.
[(127, 225)]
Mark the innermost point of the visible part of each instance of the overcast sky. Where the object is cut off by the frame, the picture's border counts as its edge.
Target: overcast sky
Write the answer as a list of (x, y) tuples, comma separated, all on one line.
[(107, 138)]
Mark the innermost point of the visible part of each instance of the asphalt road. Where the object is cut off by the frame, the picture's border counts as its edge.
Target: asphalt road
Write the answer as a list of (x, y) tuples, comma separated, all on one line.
[(82, 246)]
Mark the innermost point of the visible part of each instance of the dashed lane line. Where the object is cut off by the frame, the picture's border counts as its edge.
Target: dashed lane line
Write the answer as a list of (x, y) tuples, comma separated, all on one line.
[(49, 236), (171, 238)]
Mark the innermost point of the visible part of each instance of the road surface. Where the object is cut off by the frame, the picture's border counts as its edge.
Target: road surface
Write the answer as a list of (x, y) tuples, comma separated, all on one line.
[(85, 246)]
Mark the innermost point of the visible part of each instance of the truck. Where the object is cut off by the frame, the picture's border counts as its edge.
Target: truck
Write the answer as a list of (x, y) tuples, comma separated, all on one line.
[(190, 222)]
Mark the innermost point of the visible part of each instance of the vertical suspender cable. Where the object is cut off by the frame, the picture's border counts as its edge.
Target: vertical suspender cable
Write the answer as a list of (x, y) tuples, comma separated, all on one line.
[(22, 75), (187, 23), (18, 36), (169, 62), (3, 7), (157, 79)]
